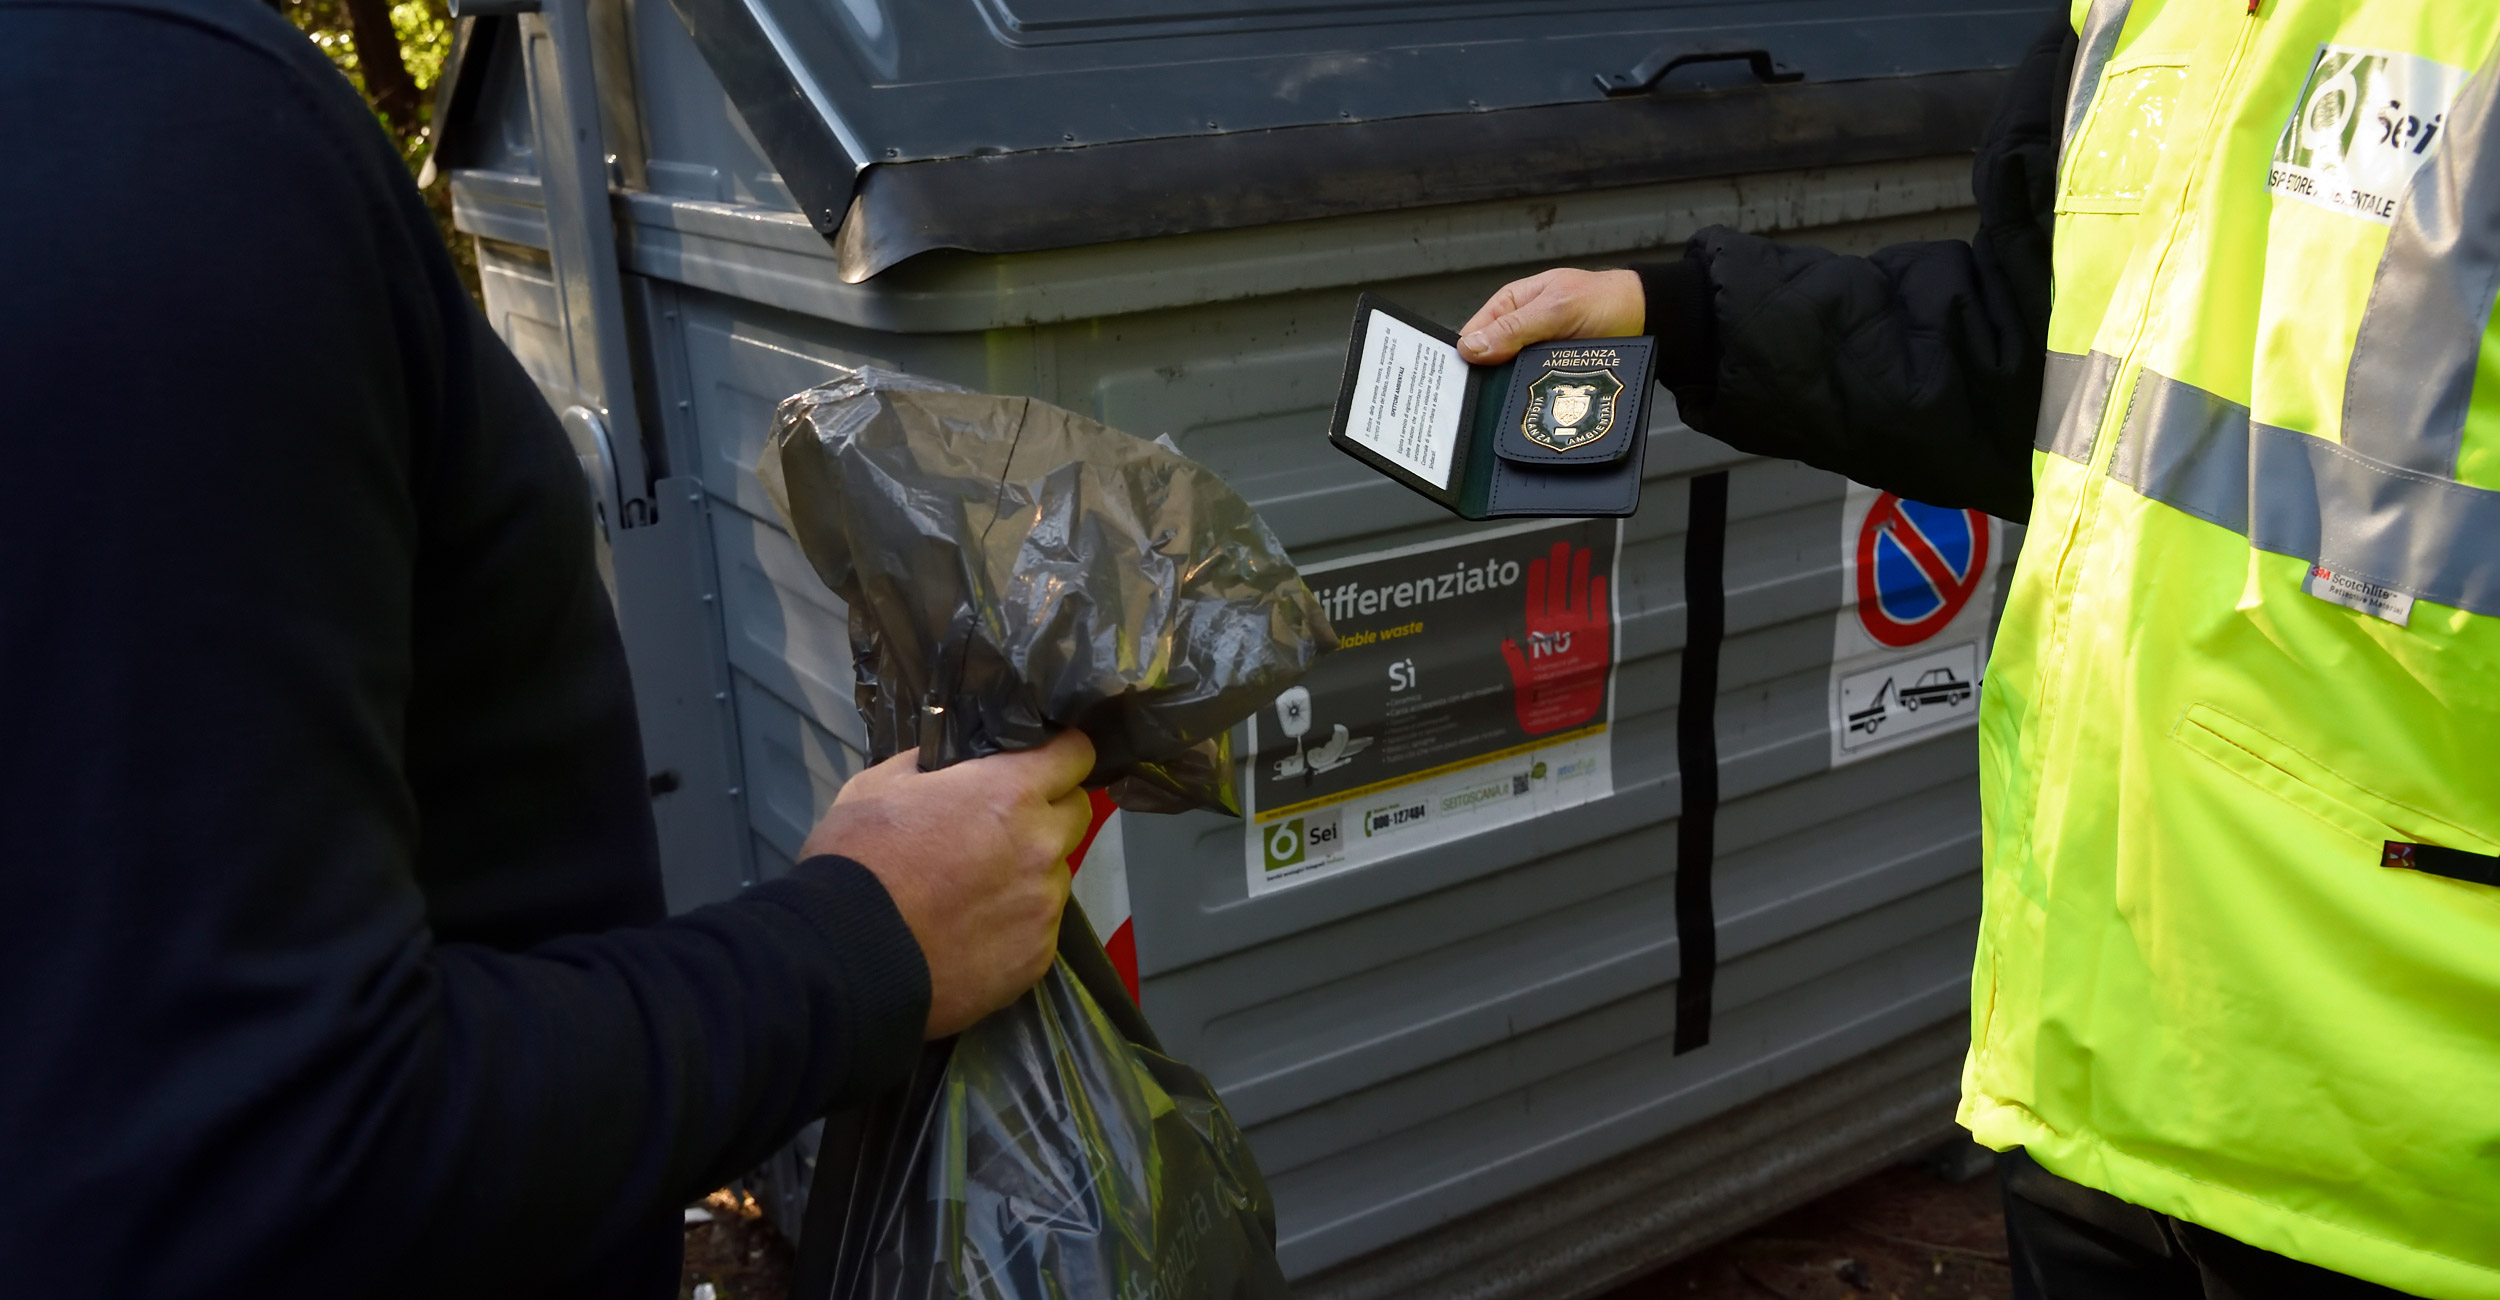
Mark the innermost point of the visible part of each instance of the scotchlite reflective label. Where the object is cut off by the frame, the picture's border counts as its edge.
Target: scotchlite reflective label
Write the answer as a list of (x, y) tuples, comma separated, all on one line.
[(2365, 122), (2358, 594)]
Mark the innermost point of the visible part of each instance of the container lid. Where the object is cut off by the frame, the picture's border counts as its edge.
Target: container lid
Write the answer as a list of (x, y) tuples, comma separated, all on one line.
[(1014, 125)]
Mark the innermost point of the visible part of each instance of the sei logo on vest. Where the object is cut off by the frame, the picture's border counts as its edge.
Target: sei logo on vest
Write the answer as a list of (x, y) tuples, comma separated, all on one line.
[(2366, 121), (1918, 589)]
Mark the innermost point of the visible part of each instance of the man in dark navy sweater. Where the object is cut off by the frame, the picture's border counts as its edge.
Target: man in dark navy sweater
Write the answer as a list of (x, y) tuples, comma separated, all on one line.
[(332, 954)]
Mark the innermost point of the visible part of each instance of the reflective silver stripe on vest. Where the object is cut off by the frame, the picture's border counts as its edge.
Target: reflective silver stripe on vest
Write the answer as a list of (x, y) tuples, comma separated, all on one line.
[(2073, 393), (2299, 495), (2093, 46), (2421, 337), (2075, 390), (2186, 448)]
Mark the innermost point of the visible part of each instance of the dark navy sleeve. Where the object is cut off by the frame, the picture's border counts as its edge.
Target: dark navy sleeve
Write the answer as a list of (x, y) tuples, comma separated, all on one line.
[(1916, 369), (332, 959)]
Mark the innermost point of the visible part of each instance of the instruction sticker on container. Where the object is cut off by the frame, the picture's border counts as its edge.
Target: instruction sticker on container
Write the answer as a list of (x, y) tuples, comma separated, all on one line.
[(1918, 590), (1474, 688)]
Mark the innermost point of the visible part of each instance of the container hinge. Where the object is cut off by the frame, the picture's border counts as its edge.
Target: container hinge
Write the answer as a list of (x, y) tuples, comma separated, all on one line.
[(592, 445)]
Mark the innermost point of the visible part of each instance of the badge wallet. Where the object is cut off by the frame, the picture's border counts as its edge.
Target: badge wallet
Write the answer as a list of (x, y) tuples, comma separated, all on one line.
[(1557, 432)]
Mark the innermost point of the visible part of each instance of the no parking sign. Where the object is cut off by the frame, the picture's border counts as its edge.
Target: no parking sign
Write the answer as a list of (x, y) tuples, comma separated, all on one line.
[(1918, 592), (1917, 568)]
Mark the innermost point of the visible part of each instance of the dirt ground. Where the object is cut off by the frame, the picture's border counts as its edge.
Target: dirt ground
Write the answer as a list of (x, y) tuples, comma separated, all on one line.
[(736, 1252), (1903, 1234)]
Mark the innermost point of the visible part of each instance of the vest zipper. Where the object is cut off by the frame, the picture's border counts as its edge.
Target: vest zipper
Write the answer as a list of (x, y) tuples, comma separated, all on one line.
[(2113, 416), (2085, 519)]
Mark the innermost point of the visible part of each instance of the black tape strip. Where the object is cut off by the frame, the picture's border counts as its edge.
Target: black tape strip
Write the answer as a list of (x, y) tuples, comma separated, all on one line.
[(1697, 758), (2456, 864)]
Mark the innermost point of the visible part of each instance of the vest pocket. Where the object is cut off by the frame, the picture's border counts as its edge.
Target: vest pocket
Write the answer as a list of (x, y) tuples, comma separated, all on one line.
[(2111, 163), (2295, 778)]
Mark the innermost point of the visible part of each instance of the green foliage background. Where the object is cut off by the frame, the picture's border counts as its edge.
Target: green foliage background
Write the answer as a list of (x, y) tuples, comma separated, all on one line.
[(423, 29)]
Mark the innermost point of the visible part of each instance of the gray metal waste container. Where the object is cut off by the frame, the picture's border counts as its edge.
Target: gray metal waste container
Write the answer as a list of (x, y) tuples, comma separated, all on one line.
[(1454, 1059)]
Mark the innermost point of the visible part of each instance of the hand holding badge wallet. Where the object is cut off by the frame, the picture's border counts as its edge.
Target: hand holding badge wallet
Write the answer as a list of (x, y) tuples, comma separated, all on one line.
[(1556, 432)]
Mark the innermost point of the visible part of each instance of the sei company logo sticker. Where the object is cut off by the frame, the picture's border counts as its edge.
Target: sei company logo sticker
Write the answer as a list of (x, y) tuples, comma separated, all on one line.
[(1309, 839), (2365, 122)]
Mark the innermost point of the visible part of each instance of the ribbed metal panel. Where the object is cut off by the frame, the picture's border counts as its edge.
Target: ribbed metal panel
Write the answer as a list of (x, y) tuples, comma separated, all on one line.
[(1430, 1052)]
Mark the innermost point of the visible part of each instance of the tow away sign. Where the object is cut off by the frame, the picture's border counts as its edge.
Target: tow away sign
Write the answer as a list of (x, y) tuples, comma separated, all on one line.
[(1917, 593)]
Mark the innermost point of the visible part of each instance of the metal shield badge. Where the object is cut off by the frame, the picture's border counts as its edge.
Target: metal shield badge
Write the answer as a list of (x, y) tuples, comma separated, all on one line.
[(1568, 409)]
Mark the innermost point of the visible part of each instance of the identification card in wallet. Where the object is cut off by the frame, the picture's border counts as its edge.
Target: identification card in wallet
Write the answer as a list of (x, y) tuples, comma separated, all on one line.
[(1556, 432)]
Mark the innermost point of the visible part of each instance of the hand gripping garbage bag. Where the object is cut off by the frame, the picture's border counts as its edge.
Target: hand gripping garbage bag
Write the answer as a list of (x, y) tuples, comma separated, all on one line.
[(1012, 569), (1052, 1152)]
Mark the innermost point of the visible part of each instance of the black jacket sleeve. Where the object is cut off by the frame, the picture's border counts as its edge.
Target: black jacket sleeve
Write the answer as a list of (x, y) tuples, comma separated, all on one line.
[(1917, 369), (332, 955)]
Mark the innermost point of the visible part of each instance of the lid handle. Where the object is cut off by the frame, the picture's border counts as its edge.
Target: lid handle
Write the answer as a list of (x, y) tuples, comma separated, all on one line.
[(1667, 58)]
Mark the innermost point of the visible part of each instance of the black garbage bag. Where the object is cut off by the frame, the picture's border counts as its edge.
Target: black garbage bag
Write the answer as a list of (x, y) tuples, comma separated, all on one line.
[(1053, 1152), (1012, 569), (1024, 569)]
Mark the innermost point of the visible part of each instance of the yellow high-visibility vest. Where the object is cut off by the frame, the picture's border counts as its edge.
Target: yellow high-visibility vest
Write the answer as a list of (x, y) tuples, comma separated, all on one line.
[(2240, 737)]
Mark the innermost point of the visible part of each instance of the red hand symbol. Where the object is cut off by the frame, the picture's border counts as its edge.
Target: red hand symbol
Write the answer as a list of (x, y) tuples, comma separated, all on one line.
[(1560, 681)]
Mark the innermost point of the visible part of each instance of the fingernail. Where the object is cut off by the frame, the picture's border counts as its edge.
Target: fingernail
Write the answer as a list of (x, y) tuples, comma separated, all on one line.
[(1473, 343)]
